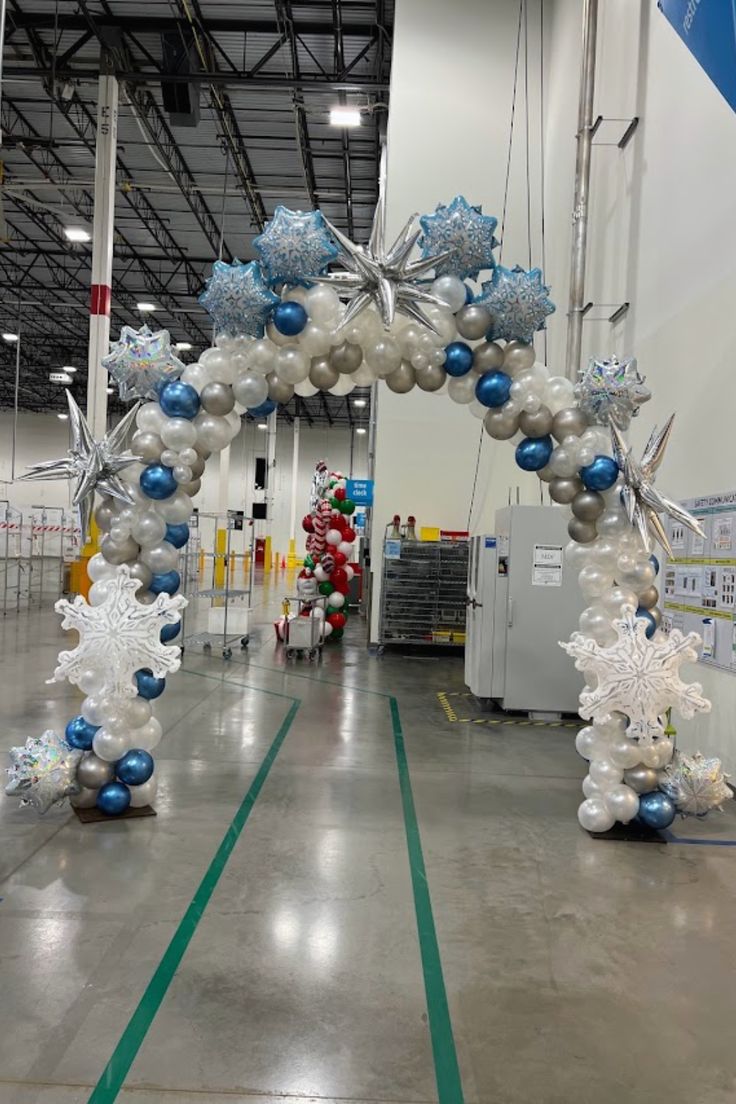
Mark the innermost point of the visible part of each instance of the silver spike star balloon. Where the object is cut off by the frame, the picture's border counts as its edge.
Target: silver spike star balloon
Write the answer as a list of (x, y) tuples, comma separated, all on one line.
[(643, 502), (94, 464), (385, 277)]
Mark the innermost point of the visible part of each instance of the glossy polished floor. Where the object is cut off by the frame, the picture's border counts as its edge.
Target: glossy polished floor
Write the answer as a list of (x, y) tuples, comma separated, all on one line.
[(271, 938)]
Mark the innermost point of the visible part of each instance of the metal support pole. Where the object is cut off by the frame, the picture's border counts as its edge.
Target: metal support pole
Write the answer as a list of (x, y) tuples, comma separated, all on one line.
[(102, 247), (584, 139)]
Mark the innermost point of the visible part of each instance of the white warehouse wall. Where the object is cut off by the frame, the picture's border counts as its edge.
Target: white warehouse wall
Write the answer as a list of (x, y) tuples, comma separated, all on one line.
[(662, 236), (44, 436)]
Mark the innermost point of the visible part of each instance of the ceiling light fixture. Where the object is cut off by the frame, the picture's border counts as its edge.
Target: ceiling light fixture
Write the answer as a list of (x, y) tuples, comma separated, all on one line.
[(360, 402), (77, 234), (69, 368), (110, 390), (263, 425), (183, 346), (62, 417), (10, 337), (145, 307), (344, 116), (360, 429), (60, 377)]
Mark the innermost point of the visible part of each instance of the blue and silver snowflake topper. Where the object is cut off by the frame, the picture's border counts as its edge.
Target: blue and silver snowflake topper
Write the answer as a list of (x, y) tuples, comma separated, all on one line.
[(141, 361), (518, 302), (294, 245), (238, 298), (463, 232), (611, 390)]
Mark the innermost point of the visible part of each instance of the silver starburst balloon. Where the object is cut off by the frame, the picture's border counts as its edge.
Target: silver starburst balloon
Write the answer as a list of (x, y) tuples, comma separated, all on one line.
[(94, 464), (643, 502), (695, 783), (384, 277), (611, 390), (43, 771)]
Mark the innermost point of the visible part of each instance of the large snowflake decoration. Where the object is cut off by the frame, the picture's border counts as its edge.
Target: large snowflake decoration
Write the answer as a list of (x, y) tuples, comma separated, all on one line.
[(238, 298), (294, 245), (141, 361), (611, 390), (638, 676), (518, 302), (383, 276), (464, 234), (94, 464), (695, 784), (119, 636), (43, 771), (643, 502)]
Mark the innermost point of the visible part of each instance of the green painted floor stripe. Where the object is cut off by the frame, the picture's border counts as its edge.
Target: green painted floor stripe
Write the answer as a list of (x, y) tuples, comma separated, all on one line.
[(114, 1074), (446, 1069)]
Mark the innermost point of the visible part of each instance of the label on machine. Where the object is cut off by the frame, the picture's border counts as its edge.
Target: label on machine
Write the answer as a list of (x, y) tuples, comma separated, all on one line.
[(547, 565)]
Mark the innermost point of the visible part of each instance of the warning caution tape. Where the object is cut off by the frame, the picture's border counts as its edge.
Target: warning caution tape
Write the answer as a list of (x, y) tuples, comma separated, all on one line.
[(444, 696)]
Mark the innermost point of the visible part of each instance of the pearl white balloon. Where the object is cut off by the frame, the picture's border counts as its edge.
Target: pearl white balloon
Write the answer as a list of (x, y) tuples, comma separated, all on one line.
[(336, 600), (623, 753), (150, 417), (315, 340), (594, 815), (108, 746), (333, 537), (261, 357), (149, 735), (322, 304), (178, 433), (213, 431), (145, 793), (98, 568), (621, 802), (217, 363), (462, 388), (451, 290), (605, 773), (344, 386), (98, 593), (250, 389), (176, 509), (383, 355), (346, 547), (197, 376), (160, 557), (292, 364), (91, 709)]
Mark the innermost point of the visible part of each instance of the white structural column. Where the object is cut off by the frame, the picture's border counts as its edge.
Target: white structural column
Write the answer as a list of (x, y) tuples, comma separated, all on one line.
[(294, 487), (223, 480), (102, 249), (270, 469)]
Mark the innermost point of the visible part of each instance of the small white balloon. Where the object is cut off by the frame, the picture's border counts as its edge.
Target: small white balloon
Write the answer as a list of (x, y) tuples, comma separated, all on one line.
[(143, 794)]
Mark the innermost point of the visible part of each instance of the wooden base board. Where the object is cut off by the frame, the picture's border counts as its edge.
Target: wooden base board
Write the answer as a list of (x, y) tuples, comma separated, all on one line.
[(95, 816), (630, 833)]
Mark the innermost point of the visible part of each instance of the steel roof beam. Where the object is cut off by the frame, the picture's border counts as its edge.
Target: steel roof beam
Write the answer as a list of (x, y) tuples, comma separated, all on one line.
[(154, 24), (214, 77), (283, 11)]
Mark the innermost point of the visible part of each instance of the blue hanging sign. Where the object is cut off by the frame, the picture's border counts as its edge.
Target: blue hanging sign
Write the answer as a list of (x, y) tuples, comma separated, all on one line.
[(360, 491), (708, 29)]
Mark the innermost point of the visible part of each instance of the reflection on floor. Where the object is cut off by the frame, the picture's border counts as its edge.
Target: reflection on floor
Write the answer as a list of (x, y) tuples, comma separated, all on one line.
[(575, 969)]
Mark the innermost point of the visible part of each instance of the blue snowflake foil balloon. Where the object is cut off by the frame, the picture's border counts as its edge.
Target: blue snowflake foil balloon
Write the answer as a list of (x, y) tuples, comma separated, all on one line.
[(518, 302), (464, 232), (141, 361), (238, 298), (294, 245)]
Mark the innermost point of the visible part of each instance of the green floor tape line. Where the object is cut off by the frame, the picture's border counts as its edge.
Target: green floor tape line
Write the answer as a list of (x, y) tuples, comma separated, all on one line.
[(447, 1071), (446, 1068), (114, 1074)]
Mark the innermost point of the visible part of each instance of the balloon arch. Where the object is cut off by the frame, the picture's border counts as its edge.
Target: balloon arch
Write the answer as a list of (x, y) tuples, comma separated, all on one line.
[(412, 320)]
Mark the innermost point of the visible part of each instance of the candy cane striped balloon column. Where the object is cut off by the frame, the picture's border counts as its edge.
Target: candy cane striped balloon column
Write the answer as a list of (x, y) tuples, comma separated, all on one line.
[(330, 544)]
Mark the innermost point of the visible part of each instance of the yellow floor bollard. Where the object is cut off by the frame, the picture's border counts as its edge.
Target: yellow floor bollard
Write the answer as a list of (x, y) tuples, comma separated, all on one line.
[(201, 561), (267, 559), (79, 580), (232, 563), (220, 558), (293, 559), (246, 564)]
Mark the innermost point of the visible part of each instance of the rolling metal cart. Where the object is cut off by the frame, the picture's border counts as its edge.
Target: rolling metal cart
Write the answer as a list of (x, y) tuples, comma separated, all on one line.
[(305, 635), (423, 596), (228, 606)]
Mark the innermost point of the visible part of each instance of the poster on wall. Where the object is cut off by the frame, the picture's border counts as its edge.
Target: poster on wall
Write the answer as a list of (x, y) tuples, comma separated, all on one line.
[(698, 584), (708, 29)]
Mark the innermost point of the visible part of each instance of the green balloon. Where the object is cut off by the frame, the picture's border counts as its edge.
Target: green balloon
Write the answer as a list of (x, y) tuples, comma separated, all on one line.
[(335, 503), (336, 634), (308, 561), (326, 588), (347, 506)]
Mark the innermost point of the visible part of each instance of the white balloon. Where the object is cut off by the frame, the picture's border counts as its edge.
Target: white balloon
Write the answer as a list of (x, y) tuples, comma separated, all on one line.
[(333, 537), (217, 363), (178, 433), (621, 802), (346, 548), (322, 304), (250, 389), (363, 376), (176, 509), (109, 746), (336, 600), (658, 754), (261, 357), (451, 290), (197, 376), (143, 794), (305, 389), (594, 815), (91, 709), (605, 773), (315, 340), (346, 568), (623, 753), (98, 593), (462, 388), (213, 431), (149, 735), (150, 417), (98, 568), (344, 385)]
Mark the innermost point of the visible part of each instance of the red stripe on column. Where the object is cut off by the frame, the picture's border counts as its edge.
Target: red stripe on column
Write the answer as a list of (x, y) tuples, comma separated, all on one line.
[(101, 295)]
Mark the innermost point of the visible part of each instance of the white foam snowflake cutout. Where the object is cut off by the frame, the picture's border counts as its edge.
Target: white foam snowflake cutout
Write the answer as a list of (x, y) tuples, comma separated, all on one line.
[(638, 676), (119, 636)]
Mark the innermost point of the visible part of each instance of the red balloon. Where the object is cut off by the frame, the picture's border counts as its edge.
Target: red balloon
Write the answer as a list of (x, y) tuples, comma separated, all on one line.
[(339, 494), (308, 523), (339, 578), (305, 612), (340, 558), (339, 523), (348, 534), (337, 620)]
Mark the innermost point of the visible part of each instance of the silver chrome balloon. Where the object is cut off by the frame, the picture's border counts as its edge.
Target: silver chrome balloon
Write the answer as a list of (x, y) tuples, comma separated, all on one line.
[(402, 379), (473, 321), (536, 424), (93, 772), (563, 489), (346, 358), (501, 426), (217, 398), (322, 374), (570, 422), (588, 505), (582, 531), (487, 357), (432, 378)]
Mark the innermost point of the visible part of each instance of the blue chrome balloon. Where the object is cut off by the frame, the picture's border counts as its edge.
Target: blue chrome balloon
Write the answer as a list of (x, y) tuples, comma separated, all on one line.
[(459, 358), (493, 388), (80, 733), (290, 318), (168, 582), (601, 474), (135, 768), (469, 294), (157, 481), (178, 535), (266, 407), (169, 632), (113, 798), (179, 400), (149, 687), (656, 809), (533, 453), (645, 615), (655, 564)]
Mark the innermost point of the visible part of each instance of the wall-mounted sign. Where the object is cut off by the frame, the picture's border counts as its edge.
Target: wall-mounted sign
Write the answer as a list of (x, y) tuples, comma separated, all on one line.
[(708, 29), (360, 491)]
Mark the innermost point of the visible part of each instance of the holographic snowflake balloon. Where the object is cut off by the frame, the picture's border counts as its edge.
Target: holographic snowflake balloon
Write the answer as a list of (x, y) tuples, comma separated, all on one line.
[(464, 233), (638, 676), (238, 298), (141, 361), (43, 772), (518, 302), (611, 389), (695, 784), (294, 245), (119, 636)]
